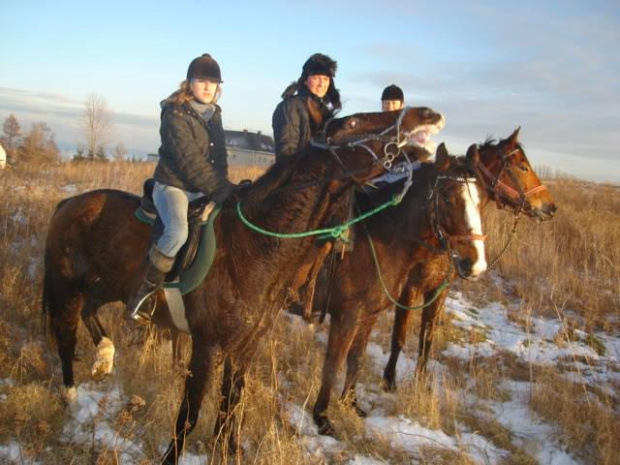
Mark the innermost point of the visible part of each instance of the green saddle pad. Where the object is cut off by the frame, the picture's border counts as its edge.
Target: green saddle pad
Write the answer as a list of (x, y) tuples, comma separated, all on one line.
[(191, 277)]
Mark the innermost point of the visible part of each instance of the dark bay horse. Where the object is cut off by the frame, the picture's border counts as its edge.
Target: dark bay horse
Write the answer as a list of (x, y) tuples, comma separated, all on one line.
[(506, 175), (440, 214), (96, 250)]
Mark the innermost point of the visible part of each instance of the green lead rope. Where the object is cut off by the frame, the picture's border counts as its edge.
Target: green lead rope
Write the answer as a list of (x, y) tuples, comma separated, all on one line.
[(438, 291), (335, 232)]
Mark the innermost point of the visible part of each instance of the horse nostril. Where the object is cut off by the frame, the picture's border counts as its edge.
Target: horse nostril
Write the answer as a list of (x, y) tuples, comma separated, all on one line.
[(465, 267)]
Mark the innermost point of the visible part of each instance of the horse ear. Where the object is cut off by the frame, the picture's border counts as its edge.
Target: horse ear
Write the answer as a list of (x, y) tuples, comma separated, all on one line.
[(514, 137), (442, 159), (473, 156), (441, 150)]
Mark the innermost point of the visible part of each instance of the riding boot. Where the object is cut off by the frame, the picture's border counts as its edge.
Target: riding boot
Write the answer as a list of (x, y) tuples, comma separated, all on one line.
[(141, 305)]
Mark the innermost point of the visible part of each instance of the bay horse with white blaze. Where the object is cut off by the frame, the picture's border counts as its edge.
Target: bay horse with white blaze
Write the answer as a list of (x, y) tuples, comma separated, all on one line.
[(504, 172), (440, 214), (96, 249)]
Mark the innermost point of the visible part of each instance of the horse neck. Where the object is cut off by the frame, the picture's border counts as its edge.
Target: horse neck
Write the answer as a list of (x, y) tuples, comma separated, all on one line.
[(409, 220), (299, 200)]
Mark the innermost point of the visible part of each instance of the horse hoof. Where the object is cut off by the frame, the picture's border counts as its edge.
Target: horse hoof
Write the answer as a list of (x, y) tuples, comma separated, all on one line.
[(69, 395), (389, 385), (104, 362), (324, 427)]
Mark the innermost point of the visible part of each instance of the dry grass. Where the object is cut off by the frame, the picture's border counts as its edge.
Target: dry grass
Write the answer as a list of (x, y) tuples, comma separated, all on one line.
[(571, 263), (567, 268)]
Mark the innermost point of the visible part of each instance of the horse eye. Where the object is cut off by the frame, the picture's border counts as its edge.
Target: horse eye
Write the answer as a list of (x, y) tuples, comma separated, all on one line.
[(524, 168)]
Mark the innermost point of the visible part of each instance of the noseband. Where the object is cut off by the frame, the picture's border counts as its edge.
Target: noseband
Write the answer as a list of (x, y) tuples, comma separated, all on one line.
[(515, 196)]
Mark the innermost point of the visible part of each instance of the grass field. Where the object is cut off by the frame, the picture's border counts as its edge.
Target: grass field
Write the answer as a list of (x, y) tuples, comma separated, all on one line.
[(566, 271)]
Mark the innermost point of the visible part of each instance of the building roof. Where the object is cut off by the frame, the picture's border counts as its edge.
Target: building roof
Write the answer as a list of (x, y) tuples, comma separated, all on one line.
[(249, 141)]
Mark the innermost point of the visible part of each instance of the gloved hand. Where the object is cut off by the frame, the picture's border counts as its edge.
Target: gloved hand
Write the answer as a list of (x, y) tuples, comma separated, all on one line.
[(244, 184), (225, 190)]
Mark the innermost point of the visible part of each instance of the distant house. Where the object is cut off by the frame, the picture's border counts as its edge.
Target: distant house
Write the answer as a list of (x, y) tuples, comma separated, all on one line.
[(249, 148), (244, 148), (2, 157)]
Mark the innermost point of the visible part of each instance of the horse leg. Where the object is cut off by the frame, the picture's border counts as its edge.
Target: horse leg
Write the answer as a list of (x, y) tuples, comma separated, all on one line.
[(178, 344), (104, 359), (358, 347), (430, 315), (196, 382), (233, 384), (341, 334), (308, 290), (402, 321), (64, 323)]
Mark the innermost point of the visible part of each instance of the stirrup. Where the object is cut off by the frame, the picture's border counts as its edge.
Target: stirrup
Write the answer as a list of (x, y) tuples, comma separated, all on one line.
[(144, 315)]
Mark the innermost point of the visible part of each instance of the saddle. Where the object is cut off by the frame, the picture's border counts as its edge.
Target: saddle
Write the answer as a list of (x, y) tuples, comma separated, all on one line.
[(198, 214)]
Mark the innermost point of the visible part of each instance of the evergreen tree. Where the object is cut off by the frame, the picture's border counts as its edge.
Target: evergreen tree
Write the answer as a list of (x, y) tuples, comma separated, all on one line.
[(11, 137)]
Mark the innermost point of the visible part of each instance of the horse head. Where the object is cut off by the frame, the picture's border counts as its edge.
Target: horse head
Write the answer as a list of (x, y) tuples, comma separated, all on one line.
[(383, 135), (455, 217), (510, 180)]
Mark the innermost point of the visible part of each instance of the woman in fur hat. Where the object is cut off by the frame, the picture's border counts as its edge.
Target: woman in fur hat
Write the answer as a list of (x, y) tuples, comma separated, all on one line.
[(305, 105), (192, 164)]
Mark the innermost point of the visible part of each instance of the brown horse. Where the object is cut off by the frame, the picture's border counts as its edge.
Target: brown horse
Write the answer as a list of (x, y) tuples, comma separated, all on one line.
[(96, 249), (439, 216), (504, 172)]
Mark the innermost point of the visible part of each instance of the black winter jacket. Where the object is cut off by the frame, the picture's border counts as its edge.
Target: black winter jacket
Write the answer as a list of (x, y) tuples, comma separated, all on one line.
[(193, 154), (291, 123)]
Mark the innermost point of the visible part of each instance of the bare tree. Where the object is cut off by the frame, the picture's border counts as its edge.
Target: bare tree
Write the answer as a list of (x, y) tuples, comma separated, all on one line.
[(97, 123), (119, 152)]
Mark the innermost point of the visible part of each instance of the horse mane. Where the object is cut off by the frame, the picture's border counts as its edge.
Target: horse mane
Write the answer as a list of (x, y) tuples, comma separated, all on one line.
[(275, 178), (491, 141)]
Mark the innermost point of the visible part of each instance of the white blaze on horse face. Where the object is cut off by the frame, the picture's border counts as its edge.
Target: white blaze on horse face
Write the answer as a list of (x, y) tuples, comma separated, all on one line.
[(474, 221)]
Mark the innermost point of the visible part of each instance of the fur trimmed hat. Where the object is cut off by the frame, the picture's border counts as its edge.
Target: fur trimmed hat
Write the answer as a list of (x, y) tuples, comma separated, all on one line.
[(393, 92), (204, 67), (317, 64)]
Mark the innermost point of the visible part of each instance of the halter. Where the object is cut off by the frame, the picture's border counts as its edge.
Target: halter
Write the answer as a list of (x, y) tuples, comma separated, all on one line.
[(515, 195)]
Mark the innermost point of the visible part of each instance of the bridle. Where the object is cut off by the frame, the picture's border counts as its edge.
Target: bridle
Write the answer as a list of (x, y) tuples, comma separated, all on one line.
[(445, 239), (504, 194), (392, 144)]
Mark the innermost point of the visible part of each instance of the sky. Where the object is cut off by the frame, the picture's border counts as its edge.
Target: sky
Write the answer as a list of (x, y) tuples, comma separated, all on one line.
[(549, 67)]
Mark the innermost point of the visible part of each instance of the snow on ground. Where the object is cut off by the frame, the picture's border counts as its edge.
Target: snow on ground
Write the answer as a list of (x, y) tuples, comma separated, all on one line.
[(97, 404)]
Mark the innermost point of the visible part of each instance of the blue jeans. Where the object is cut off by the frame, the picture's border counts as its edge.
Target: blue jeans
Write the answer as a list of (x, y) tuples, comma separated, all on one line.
[(172, 204)]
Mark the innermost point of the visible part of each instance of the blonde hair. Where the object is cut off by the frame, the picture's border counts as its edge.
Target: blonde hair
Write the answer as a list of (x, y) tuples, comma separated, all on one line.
[(184, 93)]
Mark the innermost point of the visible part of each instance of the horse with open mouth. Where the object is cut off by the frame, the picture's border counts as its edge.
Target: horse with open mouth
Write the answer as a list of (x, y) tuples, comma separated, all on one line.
[(96, 249)]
